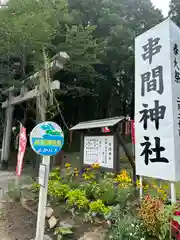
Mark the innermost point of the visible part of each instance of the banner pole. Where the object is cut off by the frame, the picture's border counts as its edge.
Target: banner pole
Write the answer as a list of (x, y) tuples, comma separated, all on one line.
[(173, 193), (141, 187)]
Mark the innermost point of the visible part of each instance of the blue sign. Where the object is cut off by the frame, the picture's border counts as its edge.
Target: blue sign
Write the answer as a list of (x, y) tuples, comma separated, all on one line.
[(47, 139)]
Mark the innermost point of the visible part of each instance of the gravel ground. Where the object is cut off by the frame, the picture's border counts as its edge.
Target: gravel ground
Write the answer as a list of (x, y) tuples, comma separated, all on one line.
[(16, 223)]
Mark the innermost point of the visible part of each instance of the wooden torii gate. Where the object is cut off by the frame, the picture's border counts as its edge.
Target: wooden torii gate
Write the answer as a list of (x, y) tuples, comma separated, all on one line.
[(56, 64)]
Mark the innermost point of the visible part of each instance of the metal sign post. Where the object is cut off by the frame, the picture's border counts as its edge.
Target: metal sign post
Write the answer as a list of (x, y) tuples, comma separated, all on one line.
[(42, 201), (46, 139)]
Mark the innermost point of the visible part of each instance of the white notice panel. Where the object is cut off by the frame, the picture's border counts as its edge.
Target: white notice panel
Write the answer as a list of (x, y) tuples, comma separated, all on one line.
[(157, 102), (99, 149)]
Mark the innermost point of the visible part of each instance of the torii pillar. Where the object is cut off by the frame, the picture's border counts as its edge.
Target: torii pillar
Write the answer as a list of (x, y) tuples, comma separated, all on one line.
[(5, 151)]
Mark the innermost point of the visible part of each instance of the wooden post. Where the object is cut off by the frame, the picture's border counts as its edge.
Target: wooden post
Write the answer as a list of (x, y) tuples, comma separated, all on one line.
[(7, 133), (3, 142), (82, 150), (116, 160), (37, 157), (141, 187), (128, 154)]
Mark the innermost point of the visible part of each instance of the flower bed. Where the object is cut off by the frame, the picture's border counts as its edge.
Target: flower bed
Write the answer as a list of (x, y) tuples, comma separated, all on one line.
[(113, 199)]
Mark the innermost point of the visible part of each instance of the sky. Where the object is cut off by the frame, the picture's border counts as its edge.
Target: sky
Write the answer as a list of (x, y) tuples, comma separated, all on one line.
[(163, 5)]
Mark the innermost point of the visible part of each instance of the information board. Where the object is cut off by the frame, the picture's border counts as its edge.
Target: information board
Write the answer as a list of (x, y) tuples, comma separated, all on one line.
[(99, 149)]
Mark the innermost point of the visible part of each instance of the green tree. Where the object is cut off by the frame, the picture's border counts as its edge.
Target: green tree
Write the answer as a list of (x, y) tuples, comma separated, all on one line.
[(28, 27), (175, 11), (117, 23)]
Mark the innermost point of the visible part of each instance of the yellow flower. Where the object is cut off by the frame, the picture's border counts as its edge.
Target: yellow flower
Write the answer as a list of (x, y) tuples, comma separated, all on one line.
[(123, 177), (76, 172), (146, 187), (165, 186), (85, 176), (88, 176), (160, 190), (87, 169), (68, 165), (95, 165), (124, 185), (164, 197), (138, 184)]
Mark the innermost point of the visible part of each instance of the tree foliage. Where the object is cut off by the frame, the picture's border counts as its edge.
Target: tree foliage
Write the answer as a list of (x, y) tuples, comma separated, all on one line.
[(117, 23), (99, 37), (175, 11), (29, 26)]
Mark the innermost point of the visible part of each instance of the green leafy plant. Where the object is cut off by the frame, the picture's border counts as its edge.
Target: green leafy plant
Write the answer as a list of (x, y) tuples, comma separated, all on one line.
[(14, 192), (62, 231), (89, 188), (116, 212), (127, 228), (165, 216), (156, 217), (124, 194), (148, 212), (55, 174), (97, 208), (57, 190), (76, 198), (106, 191), (35, 187), (71, 176), (155, 191), (108, 175)]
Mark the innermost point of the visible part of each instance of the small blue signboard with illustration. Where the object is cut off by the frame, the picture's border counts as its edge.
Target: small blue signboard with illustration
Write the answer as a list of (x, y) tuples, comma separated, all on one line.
[(47, 139)]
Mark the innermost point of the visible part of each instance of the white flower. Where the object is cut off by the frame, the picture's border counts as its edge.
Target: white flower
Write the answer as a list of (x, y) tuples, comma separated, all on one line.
[(142, 239), (132, 225), (130, 234)]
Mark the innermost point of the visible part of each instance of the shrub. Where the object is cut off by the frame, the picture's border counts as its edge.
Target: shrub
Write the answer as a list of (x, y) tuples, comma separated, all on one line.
[(156, 192), (35, 187), (148, 211), (55, 174), (57, 190), (77, 199), (124, 194), (155, 217), (89, 188), (165, 219), (127, 227), (105, 191), (109, 175), (97, 208), (14, 192)]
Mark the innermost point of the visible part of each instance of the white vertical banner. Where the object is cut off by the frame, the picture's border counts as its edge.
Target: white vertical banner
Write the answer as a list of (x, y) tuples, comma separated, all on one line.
[(156, 116), (175, 77)]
